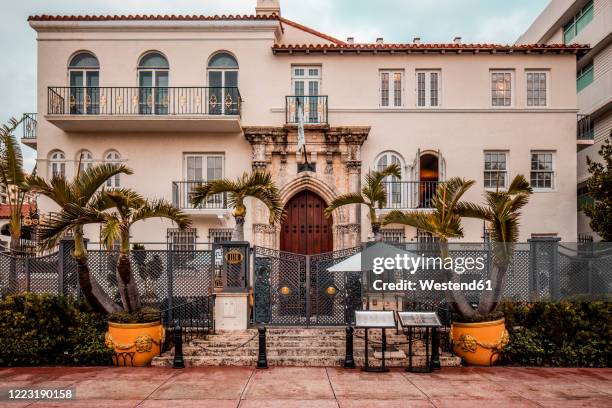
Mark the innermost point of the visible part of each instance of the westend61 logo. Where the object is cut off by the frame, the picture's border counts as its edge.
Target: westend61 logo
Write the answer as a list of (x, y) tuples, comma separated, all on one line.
[(413, 264)]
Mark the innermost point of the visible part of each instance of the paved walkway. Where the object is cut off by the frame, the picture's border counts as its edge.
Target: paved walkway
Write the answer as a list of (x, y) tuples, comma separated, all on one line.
[(290, 387)]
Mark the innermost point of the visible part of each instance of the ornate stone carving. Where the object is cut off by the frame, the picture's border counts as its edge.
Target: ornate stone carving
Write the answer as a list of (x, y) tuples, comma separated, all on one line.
[(348, 228), (265, 228)]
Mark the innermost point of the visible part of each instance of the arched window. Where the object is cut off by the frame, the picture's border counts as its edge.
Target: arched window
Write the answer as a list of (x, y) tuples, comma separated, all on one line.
[(397, 192), (57, 164), (223, 98), (84, 78), (153, 69), (85, 160), (112, 156)]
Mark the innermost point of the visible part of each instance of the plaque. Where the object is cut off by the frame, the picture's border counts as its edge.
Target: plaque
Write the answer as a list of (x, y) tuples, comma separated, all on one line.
[(419, 319), (375, 319)]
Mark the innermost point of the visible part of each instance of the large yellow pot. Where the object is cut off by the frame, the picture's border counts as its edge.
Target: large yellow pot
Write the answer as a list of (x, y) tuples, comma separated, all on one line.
[(479, 343), (135, 343)]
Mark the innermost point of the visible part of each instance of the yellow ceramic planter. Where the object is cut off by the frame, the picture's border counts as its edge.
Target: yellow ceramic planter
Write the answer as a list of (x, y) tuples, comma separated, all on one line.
[(135, 343), (480, 343)]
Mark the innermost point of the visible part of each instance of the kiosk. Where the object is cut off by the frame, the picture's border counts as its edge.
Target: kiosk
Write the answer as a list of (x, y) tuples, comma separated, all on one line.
[(430, 322), (375, 319)]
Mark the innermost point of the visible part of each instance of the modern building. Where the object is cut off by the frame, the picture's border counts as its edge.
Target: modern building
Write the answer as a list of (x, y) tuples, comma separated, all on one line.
[(185, 99), (584, 22)]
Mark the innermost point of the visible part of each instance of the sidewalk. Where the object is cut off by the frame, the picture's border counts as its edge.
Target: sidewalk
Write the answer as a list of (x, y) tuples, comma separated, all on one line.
[(290, 387)]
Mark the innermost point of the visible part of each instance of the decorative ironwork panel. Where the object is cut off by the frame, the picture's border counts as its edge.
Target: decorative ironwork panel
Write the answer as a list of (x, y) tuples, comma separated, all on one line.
[(43, 272)]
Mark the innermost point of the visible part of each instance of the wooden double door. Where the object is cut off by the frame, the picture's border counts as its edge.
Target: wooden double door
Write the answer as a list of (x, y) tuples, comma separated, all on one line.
[(305, 229)]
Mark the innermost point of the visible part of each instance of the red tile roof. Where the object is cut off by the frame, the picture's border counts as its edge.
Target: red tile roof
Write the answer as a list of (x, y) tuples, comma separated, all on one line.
[(311, 31), (5, 210), (442, 48), (134, 17)]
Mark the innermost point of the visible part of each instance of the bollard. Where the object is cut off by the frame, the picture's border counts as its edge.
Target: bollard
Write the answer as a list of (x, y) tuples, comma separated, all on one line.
[(434, 363), (262, 359), (179, 361), (349, 359)]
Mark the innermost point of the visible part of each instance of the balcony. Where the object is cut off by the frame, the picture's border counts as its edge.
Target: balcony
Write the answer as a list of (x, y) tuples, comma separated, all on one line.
[(30, 130), (314, 109), (144, 109), (594, 99), (409, 195), (584, 130), (181, 198)]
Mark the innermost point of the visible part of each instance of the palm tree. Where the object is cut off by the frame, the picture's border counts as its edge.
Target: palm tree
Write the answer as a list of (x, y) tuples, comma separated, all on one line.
[(501, 213), (258, 184), (12, 178), (129, 207), (443, 222), (373, 195), (81, 193)]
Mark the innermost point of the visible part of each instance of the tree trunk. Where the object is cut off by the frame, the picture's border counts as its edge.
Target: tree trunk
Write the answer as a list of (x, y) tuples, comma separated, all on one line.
[(92, 291), (378, 237), (456, 299), (127, 285), (238, 232), (502, 254)]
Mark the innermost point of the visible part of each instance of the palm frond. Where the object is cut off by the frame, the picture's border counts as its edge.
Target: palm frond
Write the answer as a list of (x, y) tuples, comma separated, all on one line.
[(422, 220), (160, 209), (471, 210), (345, 199), (201, 193), (110, 232), (91, 179)]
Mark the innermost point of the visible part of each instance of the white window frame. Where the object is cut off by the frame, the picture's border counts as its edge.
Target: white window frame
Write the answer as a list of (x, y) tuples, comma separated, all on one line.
[(428, 88), (546, 90), (506, 171), (391, 88), (85, 159), (553, 182), (204, 157), (57, 163), (113, 157), (512, 87)]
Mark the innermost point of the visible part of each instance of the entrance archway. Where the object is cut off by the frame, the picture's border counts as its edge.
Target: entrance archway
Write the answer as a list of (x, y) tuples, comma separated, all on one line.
[(429, 167), (305, 229)]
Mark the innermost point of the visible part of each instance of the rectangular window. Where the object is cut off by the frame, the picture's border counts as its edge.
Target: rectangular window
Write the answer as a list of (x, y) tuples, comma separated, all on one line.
[(396, 235), (536, 88), (219, 235), (584, 77), (199, 168), (501, 88), (578, 22), (542, 170), (182, 244), (428, 88), (495, 170), (391, 88)]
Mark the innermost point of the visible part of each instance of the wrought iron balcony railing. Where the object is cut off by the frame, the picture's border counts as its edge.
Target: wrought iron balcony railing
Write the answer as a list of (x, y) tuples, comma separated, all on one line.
[(314, 109), (30, 126), (143, 101), (584, 129), (182, 191), (406, 195)]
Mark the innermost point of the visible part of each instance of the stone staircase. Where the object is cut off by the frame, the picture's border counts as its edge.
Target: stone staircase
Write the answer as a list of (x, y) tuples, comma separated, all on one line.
[(288, 346)]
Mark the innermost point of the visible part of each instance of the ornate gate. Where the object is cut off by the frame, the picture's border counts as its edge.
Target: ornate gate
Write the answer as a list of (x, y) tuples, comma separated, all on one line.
[(296, 289)]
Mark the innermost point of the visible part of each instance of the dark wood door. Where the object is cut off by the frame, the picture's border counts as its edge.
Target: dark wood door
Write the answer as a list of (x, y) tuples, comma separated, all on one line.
[(305, 229)]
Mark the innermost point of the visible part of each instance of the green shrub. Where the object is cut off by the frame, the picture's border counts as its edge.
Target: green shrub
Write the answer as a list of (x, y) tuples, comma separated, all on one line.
[(144, 315), (563, 334), (49, 330)]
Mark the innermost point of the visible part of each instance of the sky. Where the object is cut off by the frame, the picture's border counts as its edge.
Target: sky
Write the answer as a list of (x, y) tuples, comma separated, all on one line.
[(496, 21)]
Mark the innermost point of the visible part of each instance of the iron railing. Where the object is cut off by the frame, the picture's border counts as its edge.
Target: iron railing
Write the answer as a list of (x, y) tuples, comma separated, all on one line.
[(402, 195), (30, 126), (313, 107), (194, 316), (182, 192), (584, 129), (193, 100)]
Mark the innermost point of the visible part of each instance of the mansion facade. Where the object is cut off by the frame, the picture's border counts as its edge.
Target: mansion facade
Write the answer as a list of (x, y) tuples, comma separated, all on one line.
[(186, 99)]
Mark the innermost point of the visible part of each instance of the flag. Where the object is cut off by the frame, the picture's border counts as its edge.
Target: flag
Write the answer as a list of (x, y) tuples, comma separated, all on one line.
[(301, 139)]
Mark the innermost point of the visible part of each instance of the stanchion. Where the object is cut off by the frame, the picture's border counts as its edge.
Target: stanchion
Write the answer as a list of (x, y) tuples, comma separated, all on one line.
[(179, 361), (349, 359), (262, 359)]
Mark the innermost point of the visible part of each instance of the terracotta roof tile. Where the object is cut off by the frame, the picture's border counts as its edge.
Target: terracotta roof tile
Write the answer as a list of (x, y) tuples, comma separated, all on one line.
[(311, 31), (409, 47), (5, 210), (140, 17)]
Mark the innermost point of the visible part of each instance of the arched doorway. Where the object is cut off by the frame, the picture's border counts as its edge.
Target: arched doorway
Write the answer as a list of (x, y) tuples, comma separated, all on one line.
[(428, 177), (305, 230)]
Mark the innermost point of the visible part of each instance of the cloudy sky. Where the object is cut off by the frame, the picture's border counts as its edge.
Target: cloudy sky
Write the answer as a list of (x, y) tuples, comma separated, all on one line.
[(499, 21)]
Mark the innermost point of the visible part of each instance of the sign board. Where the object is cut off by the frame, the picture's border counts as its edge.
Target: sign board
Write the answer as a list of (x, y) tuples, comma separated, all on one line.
[(419, 319), (375, 319)]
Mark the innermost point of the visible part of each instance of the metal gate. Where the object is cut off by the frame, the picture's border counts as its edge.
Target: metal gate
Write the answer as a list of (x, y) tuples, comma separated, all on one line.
[(298, 290)]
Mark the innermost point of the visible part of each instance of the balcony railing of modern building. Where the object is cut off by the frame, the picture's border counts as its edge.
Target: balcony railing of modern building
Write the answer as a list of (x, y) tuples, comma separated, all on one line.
[(145, 108), (584, 130), (30, 129), (313, 108), (182, 193), (410, 195)]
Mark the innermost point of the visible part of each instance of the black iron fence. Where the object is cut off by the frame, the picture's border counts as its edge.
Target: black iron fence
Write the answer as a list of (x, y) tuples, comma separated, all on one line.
[(30, 126), (143, 101), (182, 192), (402, 195), (313, 108), (584, 128)]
